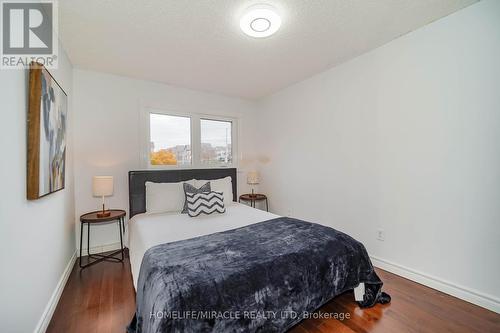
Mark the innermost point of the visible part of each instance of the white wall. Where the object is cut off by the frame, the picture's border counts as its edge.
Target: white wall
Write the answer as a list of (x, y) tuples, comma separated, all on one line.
[(37, 239), (108, 136), (405, 138)]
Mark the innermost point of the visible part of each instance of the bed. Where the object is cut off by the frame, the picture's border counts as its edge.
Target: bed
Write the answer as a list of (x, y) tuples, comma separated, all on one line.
[(242, 271)]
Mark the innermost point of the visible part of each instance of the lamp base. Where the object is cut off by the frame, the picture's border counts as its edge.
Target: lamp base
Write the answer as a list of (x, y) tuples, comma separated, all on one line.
[(106, 213)]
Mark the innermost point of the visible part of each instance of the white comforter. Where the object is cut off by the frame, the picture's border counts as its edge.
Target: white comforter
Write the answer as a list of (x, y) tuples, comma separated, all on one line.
[(148, 230)]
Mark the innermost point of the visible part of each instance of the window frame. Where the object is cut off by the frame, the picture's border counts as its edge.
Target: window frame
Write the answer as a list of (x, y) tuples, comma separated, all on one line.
[(165, 166), (195, 118), (233, 155)]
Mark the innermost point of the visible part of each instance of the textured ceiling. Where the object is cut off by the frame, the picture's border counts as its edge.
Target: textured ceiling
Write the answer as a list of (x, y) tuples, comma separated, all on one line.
[(198, 44)]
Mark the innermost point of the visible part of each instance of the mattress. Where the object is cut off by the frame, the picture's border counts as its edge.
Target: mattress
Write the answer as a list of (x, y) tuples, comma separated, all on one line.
[(148, 230)]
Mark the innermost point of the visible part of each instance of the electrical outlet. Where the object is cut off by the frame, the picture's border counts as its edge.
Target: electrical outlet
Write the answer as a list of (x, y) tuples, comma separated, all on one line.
[(380, 234), (288, 212)]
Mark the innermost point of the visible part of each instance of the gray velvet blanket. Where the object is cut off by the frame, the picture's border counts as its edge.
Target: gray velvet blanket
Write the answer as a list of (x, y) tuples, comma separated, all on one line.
[(260, 278)]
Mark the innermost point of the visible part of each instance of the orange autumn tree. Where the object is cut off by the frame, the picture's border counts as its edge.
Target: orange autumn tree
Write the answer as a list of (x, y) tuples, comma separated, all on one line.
[(163, 157)]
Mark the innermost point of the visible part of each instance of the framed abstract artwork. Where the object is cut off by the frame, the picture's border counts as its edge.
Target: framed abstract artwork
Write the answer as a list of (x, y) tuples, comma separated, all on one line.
[(47, 117)]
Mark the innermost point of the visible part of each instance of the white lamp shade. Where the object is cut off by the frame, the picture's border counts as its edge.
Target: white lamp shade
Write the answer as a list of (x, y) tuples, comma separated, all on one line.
[(102, 186), (253, 178)]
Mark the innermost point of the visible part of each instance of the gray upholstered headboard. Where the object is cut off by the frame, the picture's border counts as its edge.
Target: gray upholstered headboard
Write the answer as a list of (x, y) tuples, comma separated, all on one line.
[(137, 182)]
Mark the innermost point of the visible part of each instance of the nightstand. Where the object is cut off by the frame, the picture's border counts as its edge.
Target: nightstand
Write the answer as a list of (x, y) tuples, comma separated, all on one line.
[(253, 198), (91, 219)]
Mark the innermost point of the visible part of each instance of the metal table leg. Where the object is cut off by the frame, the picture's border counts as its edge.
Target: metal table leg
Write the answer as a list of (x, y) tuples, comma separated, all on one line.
[(121, 239), (81, 238), (88, 239), (99, 257)]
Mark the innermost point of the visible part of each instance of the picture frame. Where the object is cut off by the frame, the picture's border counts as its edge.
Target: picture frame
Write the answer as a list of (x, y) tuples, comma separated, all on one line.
[(46, 126)]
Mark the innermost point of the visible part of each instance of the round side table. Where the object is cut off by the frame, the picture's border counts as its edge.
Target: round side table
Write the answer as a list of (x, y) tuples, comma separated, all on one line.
[(253, 198), (92, 218)]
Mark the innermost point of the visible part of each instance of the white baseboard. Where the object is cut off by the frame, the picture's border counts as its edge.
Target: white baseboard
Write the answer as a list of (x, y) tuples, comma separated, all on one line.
[(44, 321), (100, 249), (486, 301)]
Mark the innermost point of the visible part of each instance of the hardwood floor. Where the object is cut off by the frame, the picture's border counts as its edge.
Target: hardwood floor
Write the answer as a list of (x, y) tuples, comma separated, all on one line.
[(101, 298)]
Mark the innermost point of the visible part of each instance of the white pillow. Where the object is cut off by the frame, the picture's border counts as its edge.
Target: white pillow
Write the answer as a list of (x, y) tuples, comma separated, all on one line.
[(224, 185), (165, 197)]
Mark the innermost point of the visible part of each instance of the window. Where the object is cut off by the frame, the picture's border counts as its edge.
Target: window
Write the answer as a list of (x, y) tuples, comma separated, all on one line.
[(170, 140), (216, 145), (188, 140)]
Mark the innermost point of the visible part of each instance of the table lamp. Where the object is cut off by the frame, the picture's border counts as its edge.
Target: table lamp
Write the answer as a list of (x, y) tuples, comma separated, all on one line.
[(102, 186), (253, 179)]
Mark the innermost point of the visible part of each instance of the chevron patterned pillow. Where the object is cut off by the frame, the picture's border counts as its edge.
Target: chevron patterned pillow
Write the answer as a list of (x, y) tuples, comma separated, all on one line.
[(205, 203), (188, 188)]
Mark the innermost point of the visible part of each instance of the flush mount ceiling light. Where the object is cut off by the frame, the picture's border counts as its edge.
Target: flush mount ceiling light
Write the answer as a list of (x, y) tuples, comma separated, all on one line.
[(260, 21)]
